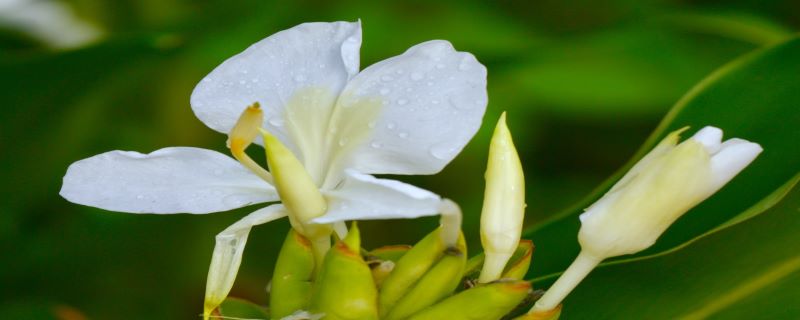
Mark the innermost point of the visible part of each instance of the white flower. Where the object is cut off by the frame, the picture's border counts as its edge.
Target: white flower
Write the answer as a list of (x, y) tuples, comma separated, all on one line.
[(410, 114), (661, 187)]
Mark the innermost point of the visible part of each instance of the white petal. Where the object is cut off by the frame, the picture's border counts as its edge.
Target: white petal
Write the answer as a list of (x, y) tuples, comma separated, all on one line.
[(364, 197), (170, 180), (710, 137), (228, 251), (734, 155), (271, 71), (433, 101)]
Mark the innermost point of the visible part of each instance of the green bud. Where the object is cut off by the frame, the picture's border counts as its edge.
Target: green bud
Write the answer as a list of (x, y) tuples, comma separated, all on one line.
[(293, 277), (485, 302), (344, 288), (438, 283), (409, 269)]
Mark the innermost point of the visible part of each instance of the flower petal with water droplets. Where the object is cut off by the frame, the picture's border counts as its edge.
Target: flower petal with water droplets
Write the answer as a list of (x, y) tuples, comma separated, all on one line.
[(364, 197), (169, 180), (271, 71), (433, 101)]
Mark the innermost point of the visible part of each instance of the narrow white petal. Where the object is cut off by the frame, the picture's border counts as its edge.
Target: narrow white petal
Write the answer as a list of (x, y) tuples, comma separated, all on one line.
[(169, 180), (433, 99), (271, 72), (710, 137), (364, 197), (734, 155), (228, 251)]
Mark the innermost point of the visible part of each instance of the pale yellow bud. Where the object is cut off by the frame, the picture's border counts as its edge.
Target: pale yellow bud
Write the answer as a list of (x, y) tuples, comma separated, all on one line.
[(661, 187), (503, 204)]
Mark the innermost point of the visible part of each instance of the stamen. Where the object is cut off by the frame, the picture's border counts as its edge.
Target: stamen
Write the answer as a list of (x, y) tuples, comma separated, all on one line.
[(243, 134)]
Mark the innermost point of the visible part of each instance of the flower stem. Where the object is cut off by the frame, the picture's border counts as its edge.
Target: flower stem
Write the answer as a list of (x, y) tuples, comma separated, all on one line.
[(578, 270)]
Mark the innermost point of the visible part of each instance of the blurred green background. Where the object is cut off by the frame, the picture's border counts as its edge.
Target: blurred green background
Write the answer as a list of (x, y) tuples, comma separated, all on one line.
[(584, 83)]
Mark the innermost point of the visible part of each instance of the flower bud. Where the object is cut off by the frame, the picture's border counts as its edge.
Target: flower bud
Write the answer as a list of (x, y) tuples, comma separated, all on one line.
[(344, 288), (490, 301), (438, 283), (661, 187), (290, 289), (665, 184), (407, 271), (503, 205)]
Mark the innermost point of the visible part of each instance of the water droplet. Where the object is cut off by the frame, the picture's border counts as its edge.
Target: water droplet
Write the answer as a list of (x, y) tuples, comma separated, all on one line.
[(386, 78), (299, 78), (322, 66), (440, 66), (140, 197), (402, 101), (442, 151), (430, 83), (385, 91), (207, 79), (255, 80), (416, 76), (242, 82), (403, 135), (245, 71), (435, 101), (391, 126), (376, 145), (277, 122)]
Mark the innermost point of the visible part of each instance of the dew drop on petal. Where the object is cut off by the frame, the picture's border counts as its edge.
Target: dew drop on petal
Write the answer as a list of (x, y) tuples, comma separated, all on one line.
[(386, 78), (402, 101), (442, 151), (403, 135), (391, 126), (299, 78), (385, 91), (440, 66), (416, 76), (376, 145), (140, 197)]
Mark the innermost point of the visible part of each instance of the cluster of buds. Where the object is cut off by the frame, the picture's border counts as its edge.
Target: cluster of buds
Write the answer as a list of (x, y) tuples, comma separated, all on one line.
[(431, 280)]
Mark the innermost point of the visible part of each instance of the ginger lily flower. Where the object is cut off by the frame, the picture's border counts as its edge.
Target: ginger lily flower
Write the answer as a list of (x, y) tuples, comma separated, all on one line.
[(410, 114), (661, 187)]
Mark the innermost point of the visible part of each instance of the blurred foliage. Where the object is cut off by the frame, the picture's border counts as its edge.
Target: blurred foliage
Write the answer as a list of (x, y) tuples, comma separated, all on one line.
[(584, 84)]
